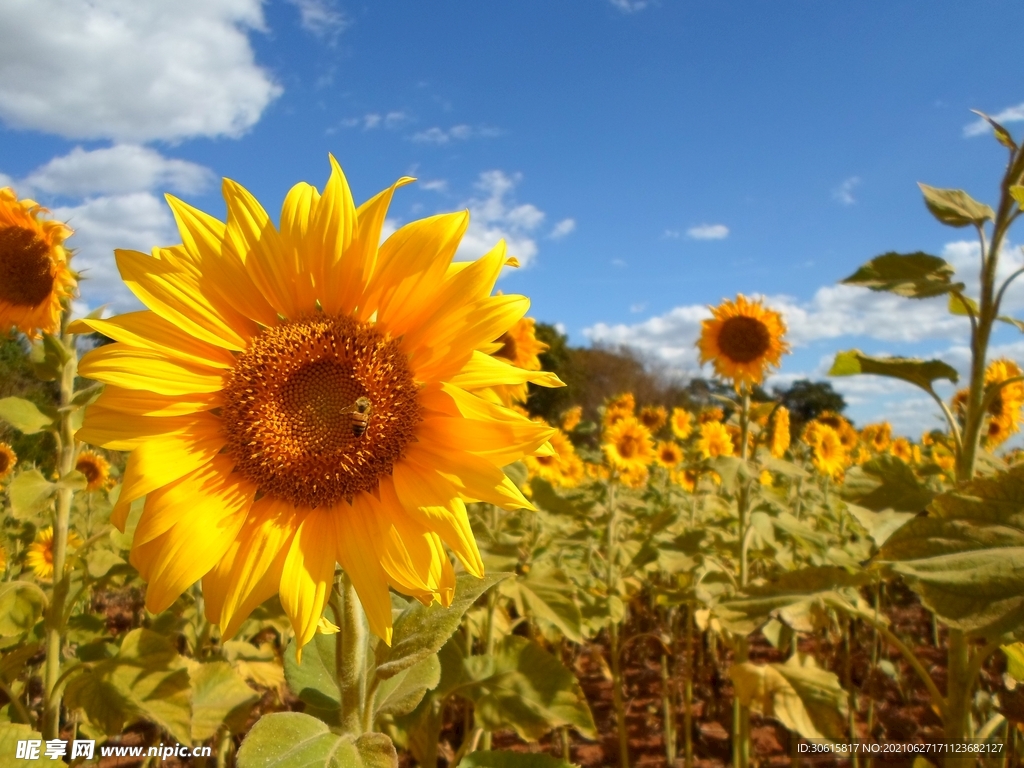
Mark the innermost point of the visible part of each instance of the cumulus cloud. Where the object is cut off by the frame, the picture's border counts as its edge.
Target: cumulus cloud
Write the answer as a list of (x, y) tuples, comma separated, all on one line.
[(459, 132), (629, 6), (844, 192), (120, 169), (322, 18), (563, 228), (372, 120), (435, 185), (131, 71), (708, 232), (1008, 115), (671, 234), (497, 215)]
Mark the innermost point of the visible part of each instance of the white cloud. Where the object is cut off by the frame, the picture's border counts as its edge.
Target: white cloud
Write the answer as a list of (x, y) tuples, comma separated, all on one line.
[(708, 232), (496, 216), (671, 234), (619, 263), (322, 18), (1008, 115), (844, 192), (459, 132), (372, 120), (435, 185), (638, 307), (132, 71), (120, 169), (629, 6), (563, 228)]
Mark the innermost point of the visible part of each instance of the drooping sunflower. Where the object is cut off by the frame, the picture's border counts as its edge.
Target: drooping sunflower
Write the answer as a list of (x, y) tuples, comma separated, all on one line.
[(39, 555), (653, 417), (780, 437), (829, 457), (669, 454), (571, 418), (520, 347), (628, 445), (34, 272), (297, 396), (742, 340), (95, 468), (8, 460), (681, 422), (715, 440)]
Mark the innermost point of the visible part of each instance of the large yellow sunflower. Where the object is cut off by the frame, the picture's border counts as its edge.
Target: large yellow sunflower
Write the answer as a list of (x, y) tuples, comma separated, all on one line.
[(34, 272), (681, 422), (653, 417), (8, 460), (39, 555), (95, 468), (742, 340), (715, 440), (829, 457), (628, 445), (297, 397)]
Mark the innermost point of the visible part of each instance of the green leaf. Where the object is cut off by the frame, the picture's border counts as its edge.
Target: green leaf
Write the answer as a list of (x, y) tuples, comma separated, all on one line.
[(879, 525), (420, 631), (1015, 660), (400, 694), (296, 740), (918, 372), (11, 734), (219, 697), (521, 686), (147, 680), (23, 415), (963, 305), (100, 561), (954, 207), (1017, 193), (886, 482), (799, 694), (495, 759), (1002, 135), (30, 494), (549, 597), (315, 679), (1018, 324), (963, 558), (21, 605), (913, 275), (13, 663)]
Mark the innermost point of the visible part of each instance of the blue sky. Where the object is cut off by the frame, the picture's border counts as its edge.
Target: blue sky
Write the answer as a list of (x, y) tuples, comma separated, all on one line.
[(643, 159)]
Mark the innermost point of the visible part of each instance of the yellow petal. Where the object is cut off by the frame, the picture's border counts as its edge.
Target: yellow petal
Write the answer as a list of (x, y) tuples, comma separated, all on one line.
[(338, 273), (297, 212), (500, 442), (473, 477), (134, 401), (122, 432), (134, 368), (486, 371), (359, 547), (308, 572)]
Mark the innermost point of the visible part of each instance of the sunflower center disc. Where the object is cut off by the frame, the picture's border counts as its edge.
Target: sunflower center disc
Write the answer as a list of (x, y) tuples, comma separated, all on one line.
[(509, 350), (25, 275), (90, 470), (5, 462), (744, 339), (629, 446), (290, 410)]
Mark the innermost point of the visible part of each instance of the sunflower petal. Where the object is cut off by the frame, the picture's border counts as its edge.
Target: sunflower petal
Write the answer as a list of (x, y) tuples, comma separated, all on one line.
[(308, 572), (133, 368), (117, 431), (359, 546)]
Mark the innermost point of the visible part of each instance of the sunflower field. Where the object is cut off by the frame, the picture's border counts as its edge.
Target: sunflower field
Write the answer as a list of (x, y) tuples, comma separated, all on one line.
[(297, 513)]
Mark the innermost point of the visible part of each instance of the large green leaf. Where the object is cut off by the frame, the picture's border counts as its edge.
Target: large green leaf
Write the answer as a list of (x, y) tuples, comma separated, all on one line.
[(21, 605), (955, 207), (886, 482), (879, 525), (963, 557), (496, 759), (799, 694), (147, 680), (920, 373), (549, 597), (400, 694), (521, 686), (30, 494), (296, 740), (23, 415), (315, 679), (10, 735), (219, 697), (914, 275), (420, 630)]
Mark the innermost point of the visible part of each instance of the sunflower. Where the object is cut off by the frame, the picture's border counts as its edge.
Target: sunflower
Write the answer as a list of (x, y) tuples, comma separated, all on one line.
[(829, 456), (653, 417), (298, 396), (34, 272), (710, 414), (557, 468), (681, 422), (877, 436), (902, 450), (742, 340), (634, 476), (39, 555), (765, 478), (520, 347), (619, 408), (943, 457), (571, 418), (95, 468), (780, 432), (628, 445), (668, 454), (847, 434), (8, 460), (685, 478), (714, 440), (1005, 405)]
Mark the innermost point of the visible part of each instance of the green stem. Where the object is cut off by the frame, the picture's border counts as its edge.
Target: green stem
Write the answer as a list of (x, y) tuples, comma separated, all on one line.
[(54, 622), (16, 703), (957, 718), (351, 661), (667, 715), (688, 691), (851, 693), (617, 698)]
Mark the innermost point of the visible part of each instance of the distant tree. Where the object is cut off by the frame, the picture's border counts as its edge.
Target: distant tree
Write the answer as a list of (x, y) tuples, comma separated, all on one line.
[(806, 400), (547, 402)]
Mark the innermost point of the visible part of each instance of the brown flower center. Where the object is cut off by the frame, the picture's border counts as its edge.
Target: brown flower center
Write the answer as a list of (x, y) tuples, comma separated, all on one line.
[(629, 446), (509, 350), (26, 276), (89, 469), (292, 419), (744, 339), (5, 462)]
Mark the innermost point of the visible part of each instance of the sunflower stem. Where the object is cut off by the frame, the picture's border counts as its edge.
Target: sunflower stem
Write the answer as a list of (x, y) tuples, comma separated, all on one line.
[(351, 666), (54, 621), (740, 713)]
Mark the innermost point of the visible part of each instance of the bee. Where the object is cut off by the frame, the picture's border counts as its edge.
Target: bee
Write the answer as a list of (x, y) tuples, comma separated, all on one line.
[(359, 415)]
